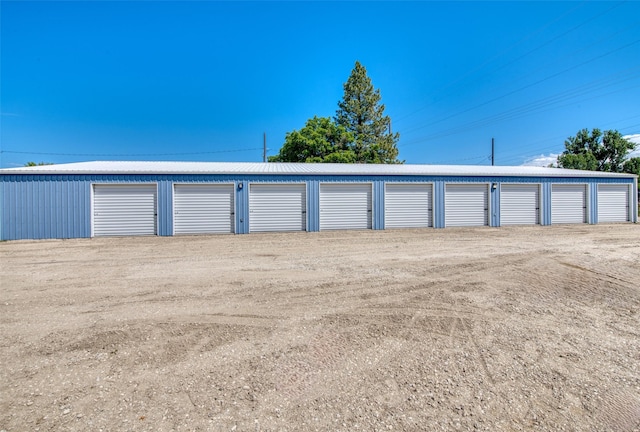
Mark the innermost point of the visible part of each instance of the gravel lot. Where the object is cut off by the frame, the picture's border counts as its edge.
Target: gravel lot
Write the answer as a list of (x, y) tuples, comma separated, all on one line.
[(528, 328)]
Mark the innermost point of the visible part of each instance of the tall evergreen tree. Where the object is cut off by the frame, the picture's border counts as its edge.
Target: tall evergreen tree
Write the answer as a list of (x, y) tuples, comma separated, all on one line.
[(361, 113), (359, 133)]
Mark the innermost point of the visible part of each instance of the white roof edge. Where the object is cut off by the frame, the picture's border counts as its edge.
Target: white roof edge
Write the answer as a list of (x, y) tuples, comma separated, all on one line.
[(253, 168)]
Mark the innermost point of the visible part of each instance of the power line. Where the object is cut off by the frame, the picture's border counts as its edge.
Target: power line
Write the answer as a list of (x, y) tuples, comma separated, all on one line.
[(534, 107), (559, 145), (583, 49), (543, 103), (512, 155), (524, 87), (486, 62), (539, 105), (625, 119), (517, 154), (458, 160), (566, 33), (128, 154), (632, 126), (535, 49)]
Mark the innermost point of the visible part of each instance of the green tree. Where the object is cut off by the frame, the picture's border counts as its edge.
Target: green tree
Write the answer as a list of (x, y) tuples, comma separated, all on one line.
[(359, 133), (632, 166), (361, 113), (596, 151), (320, 140), (30, 164)]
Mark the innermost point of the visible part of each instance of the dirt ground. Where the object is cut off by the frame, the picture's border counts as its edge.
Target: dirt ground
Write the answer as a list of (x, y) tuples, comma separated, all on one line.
[(528, 328)]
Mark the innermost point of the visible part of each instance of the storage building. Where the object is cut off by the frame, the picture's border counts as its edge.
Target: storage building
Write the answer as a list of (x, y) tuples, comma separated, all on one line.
[(90, 199)]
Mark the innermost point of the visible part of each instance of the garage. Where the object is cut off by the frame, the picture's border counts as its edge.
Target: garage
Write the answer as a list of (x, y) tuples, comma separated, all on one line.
[(466, 205), (85, 199), (613, 203), (519, 204), (568, 204), (203, 209), (408, 205), (124, 210), (345, 206), (277, 207)]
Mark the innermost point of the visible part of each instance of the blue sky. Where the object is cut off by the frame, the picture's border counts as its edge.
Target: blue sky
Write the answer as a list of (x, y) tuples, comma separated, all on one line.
[(203, 81)]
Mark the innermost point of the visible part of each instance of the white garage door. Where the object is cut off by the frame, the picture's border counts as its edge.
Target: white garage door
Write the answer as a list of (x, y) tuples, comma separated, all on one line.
[(519, 204), (568, 203), (203, 209), (466, 205), (277, 207), (408, 205), (124, 210), (345, 206), (613, 203)]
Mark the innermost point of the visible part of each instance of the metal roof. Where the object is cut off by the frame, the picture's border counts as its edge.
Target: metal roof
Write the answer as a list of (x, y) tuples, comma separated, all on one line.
[(153, 167)]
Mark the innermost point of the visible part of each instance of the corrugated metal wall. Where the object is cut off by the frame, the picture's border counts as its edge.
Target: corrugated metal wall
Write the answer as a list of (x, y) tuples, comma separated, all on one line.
[(378, 205), (313, 205), (165, 205), (59, 206), (37, 207)]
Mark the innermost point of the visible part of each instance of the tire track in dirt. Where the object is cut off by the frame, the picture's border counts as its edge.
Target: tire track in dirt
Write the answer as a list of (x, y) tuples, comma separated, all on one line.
[(465, 326), (604, 275), (619, 410), (457, 329)]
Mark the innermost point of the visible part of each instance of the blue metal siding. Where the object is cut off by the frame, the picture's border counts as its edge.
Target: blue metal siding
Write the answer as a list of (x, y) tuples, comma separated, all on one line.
[(378, 205), (242, 207), (546, 204), (37, 207), (165, 207), (592, 203), (438, 203), (313, 205), (59, 206), (494, 205), (634, 201)]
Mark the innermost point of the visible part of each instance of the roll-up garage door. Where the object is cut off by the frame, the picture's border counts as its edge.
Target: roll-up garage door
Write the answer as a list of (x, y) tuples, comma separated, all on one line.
[(124, 210), (466, 205), (613, 203), (568, 203), (408, 205), (519, 204), (203, 209), (345, 206), (277, 207)]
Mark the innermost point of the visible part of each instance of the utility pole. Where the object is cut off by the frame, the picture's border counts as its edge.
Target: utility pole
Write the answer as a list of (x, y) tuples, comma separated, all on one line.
[(493, 152), (264, 147)]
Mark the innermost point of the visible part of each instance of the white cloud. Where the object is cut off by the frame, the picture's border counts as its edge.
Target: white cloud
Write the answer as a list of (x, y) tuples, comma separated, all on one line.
[(542, 160), (635, 138)]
